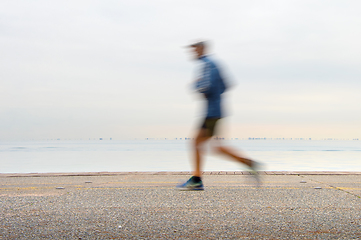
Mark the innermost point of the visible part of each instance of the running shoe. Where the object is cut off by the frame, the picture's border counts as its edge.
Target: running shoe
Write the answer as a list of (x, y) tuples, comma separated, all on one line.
[(254, 168), (190, 185)]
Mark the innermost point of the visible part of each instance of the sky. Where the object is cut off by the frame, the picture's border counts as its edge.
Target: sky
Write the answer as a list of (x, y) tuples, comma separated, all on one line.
[(118, 69)]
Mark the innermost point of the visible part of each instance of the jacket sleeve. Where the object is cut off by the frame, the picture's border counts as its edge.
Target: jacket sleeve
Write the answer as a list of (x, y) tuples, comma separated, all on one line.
[(204, 84)]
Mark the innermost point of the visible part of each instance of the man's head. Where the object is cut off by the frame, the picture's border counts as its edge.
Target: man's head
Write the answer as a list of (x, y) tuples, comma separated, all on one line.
[(199, 48)]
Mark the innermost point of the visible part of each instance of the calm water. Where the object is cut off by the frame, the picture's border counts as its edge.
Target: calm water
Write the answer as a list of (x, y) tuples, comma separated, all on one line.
[(173, 155)]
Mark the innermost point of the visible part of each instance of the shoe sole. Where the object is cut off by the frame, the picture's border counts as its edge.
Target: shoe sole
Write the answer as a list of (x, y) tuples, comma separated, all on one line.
[(257, 177), (190, 189)]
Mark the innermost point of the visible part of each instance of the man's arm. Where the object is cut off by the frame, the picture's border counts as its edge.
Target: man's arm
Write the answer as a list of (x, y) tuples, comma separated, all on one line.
[(203, 84)]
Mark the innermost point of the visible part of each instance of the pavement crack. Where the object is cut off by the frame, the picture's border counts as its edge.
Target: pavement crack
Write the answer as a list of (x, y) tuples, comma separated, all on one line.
[(336, 188)]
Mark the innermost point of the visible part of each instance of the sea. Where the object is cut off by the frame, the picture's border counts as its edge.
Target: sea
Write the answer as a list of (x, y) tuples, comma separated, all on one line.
[(175, 155)]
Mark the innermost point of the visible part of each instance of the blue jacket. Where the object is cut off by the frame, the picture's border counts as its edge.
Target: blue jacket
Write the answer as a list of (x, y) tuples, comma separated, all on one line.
[(212, 85)]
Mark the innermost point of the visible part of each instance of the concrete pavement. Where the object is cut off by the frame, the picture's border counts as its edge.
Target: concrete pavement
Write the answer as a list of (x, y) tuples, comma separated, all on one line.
[(288, 205)]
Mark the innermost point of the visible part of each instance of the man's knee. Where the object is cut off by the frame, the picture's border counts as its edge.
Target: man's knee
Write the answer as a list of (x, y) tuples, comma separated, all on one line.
[(219, 149), (199, 141)]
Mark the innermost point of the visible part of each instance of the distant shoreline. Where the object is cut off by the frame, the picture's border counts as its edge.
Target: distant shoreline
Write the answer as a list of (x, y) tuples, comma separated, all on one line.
[(73, 174), (178, 139)]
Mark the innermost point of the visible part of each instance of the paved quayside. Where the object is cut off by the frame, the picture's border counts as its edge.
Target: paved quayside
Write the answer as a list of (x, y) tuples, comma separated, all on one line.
[(298, 205)]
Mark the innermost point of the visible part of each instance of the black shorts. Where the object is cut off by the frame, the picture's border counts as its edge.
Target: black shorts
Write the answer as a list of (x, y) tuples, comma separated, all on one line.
[(210, 125)]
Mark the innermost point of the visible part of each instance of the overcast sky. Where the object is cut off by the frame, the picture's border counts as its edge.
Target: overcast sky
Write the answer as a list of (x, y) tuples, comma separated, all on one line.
[(90, 69)]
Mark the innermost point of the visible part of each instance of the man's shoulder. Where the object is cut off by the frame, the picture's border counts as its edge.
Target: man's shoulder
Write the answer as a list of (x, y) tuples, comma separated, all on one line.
[(209, 61)]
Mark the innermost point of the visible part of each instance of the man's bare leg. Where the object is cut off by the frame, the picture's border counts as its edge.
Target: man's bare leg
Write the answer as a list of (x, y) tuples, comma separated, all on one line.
[(253, 165), (201, 138), (232, 154), (195, 182)]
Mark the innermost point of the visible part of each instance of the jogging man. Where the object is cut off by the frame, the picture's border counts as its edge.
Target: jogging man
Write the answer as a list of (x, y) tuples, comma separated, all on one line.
[(211, 85)]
